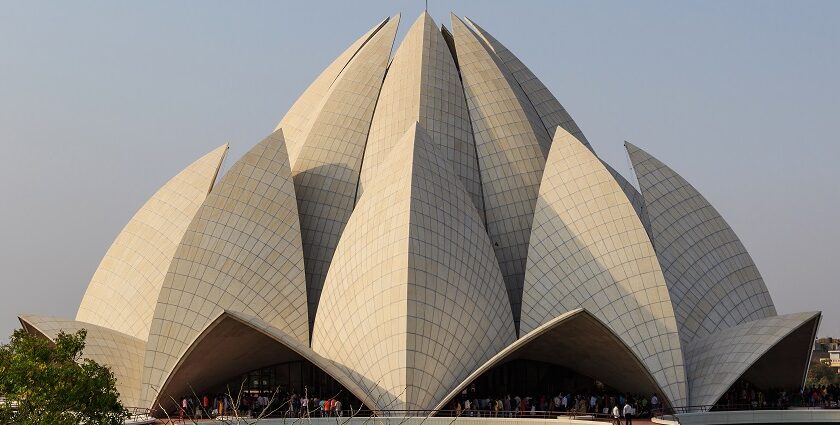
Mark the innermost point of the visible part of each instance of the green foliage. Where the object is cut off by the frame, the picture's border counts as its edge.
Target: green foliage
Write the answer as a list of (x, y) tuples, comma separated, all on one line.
[(49, 383), (821, 374)]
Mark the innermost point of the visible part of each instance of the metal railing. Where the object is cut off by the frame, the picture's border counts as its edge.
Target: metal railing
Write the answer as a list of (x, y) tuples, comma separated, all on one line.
[(485, 413), (472, 413), (136, 414), (731, 407)]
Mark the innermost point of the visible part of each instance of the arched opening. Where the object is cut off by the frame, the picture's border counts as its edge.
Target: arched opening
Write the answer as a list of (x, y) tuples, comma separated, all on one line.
[(237, 360), (285, 386), (575, 355), (774, 380)]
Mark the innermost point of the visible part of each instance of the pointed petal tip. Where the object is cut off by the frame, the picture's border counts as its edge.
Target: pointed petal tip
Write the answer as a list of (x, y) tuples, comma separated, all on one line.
[(559, 132)]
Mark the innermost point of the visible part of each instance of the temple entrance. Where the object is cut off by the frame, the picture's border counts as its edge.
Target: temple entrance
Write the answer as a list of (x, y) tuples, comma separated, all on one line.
[(529, 388), (243, 365), (574, 357), (533, 379), (284, 387)]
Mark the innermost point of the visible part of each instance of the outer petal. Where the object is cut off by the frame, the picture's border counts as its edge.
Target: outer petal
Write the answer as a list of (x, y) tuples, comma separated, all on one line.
[(589, 249), (241, 252), (512, 145), (713, 281), (415, 300), (326, 170), (298, 116), (423, 86), (124, 289), (122, 353), (773, 352)]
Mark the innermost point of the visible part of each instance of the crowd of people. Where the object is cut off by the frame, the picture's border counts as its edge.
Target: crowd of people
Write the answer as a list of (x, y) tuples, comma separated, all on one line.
[(827, 396), (743, 395), (260, 405), (599, 403)]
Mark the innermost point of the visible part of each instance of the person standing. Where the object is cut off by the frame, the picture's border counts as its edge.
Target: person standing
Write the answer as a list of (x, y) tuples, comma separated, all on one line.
[(616, 414), (183, 409), (654, 405), (628, 414)]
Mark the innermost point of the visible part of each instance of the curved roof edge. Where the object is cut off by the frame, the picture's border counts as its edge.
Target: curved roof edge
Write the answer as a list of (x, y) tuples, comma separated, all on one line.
[(121, 352), (532, 336), (715, 362), (287, 342)]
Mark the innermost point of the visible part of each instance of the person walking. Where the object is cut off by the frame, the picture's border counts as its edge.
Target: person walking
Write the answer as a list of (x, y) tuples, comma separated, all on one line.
[(616, 414)]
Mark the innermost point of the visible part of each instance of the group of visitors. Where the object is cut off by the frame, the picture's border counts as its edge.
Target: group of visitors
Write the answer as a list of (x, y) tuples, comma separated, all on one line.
[(826, 396), (743, 395), (204, 406), (259, 405), (304, 407), (600, 403)]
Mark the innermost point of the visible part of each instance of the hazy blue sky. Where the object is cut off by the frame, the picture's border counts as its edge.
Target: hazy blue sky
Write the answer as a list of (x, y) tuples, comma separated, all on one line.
[(102, 102)]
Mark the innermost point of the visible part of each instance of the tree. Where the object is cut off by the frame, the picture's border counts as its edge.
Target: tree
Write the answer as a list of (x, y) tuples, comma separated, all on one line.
[(822, 374), (45, 382)]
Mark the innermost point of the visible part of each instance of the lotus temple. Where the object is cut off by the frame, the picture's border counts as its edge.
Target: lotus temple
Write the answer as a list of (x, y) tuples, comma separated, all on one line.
[(424, 222)]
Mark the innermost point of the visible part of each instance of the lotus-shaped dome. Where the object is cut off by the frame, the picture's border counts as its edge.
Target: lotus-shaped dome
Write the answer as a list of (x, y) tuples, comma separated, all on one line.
[(416, 222)]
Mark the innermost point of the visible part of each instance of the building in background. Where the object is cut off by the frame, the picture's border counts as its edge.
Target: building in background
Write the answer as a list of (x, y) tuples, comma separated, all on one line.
[(833, 359), (821, 348)]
